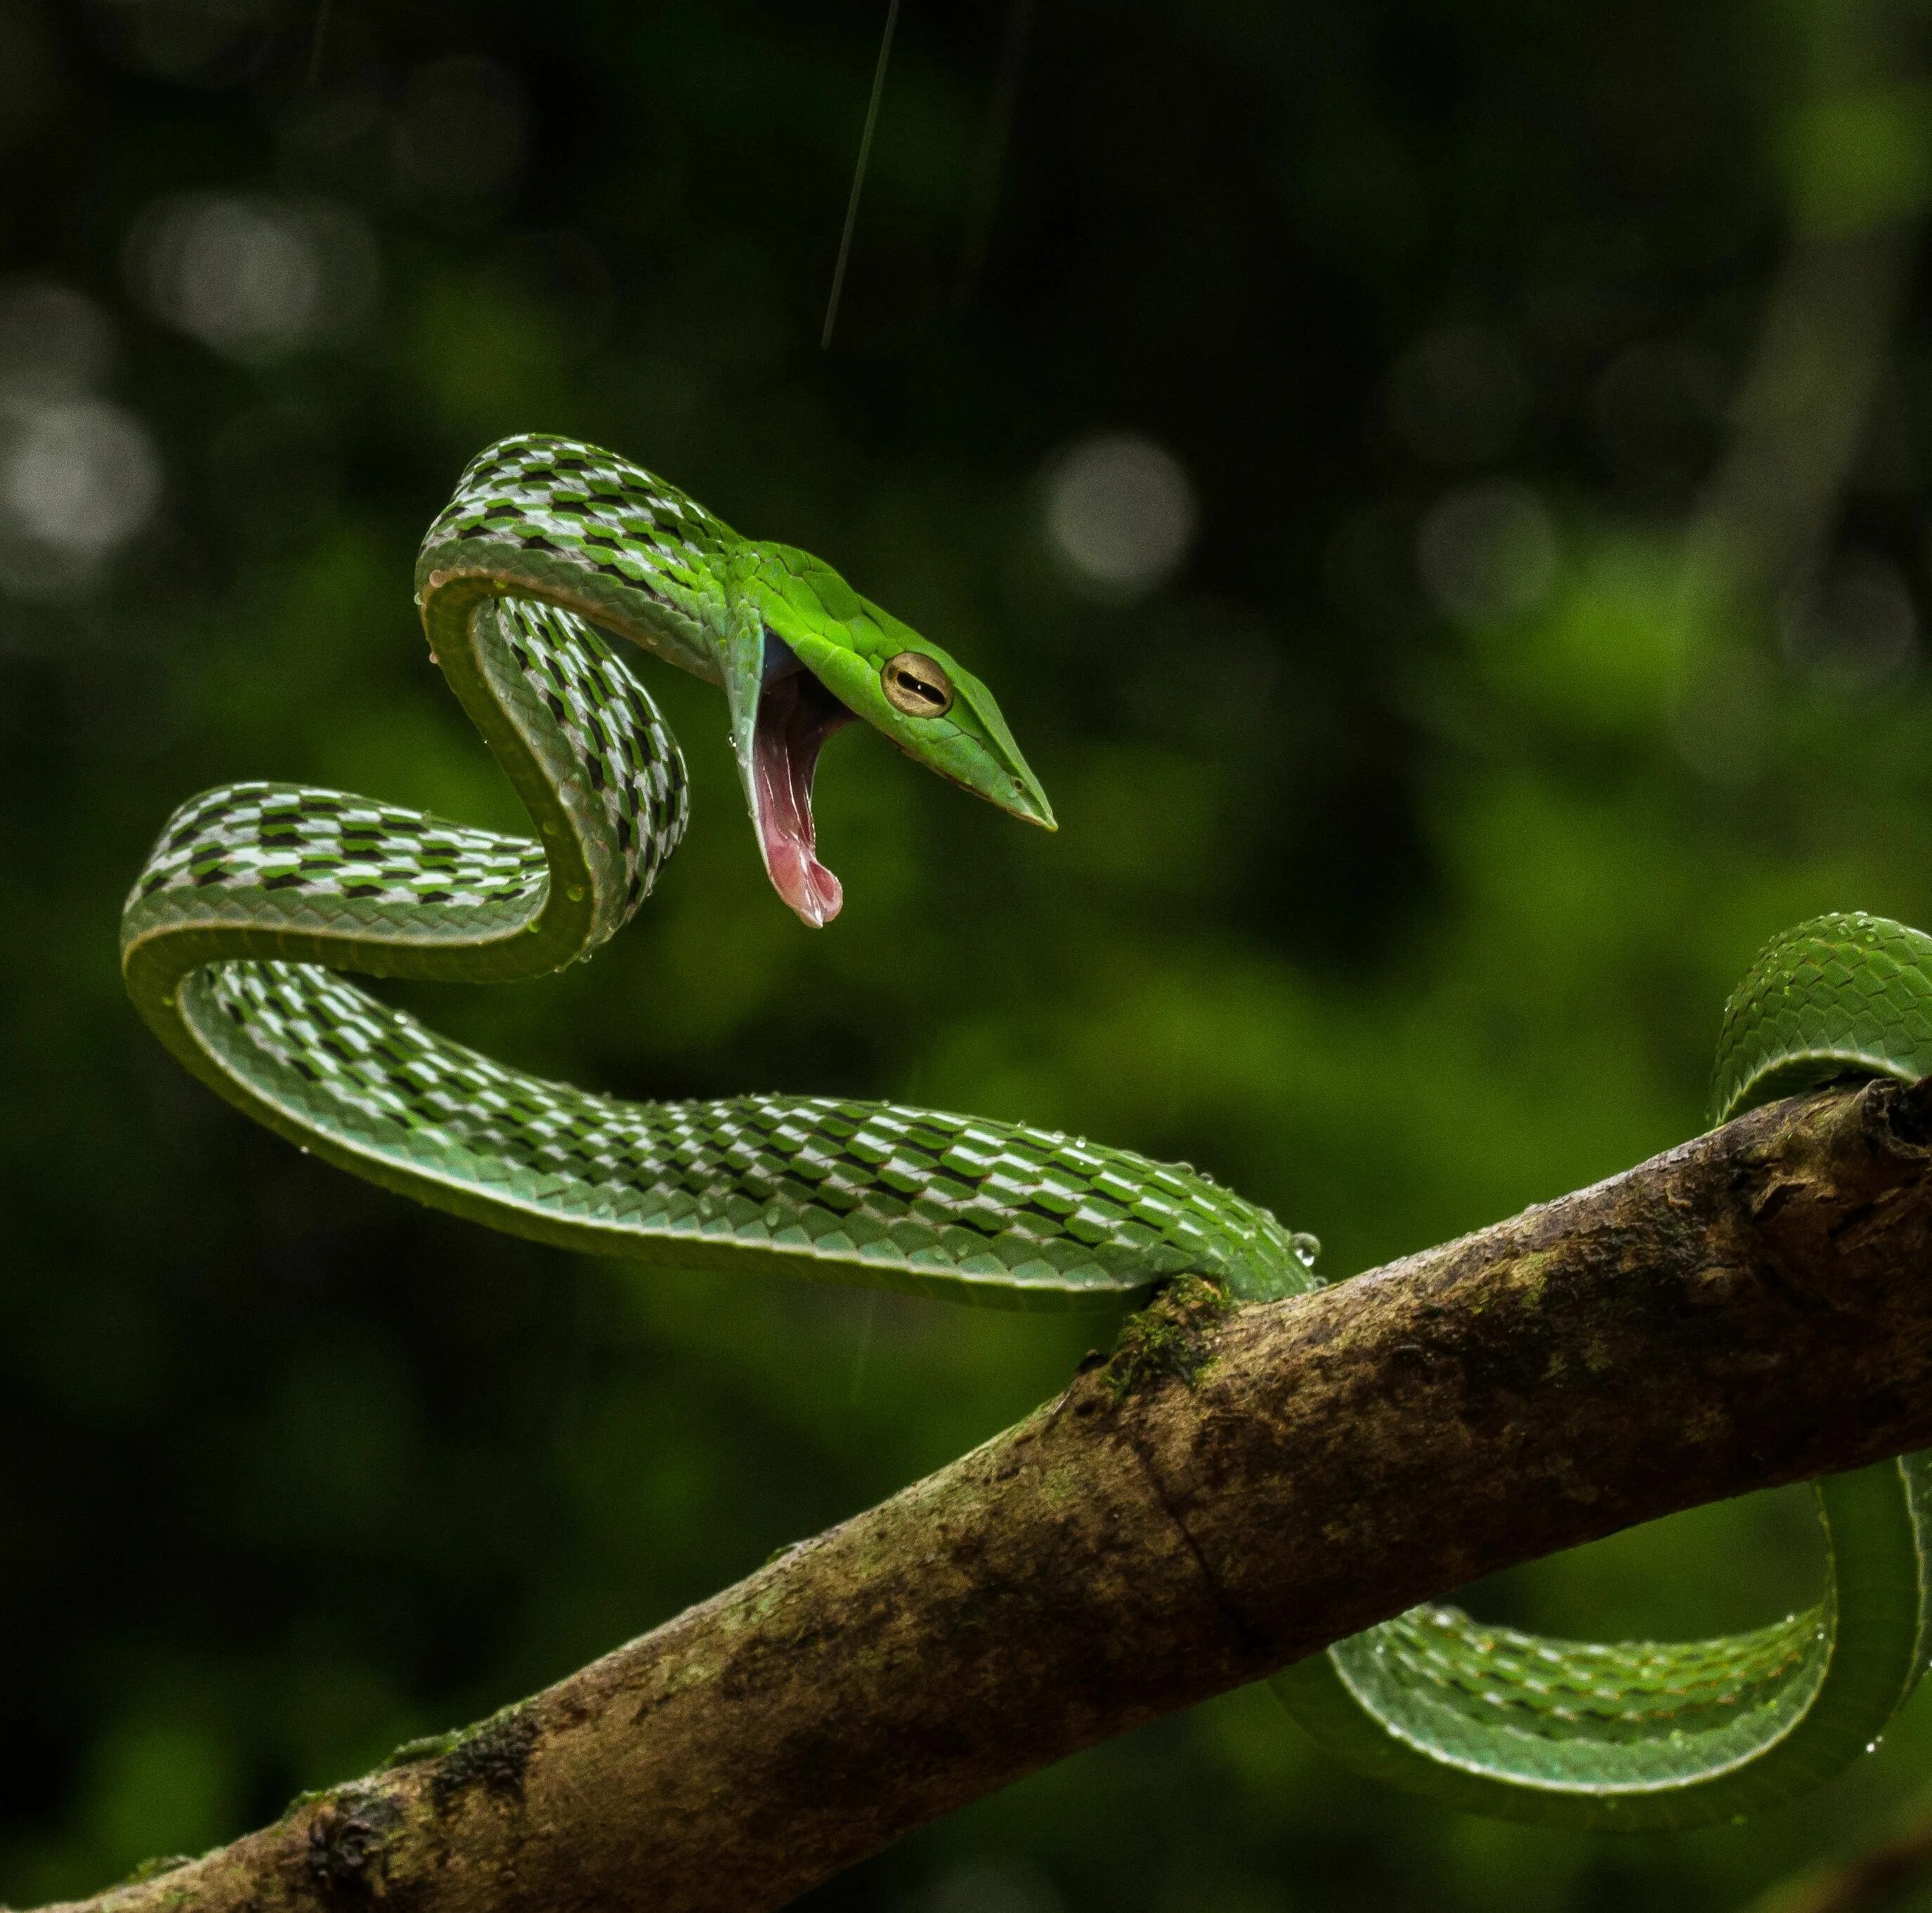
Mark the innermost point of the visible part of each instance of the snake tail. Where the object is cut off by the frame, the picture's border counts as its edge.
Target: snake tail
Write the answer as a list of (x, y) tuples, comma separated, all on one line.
[(557, 566), (1644, 1736)]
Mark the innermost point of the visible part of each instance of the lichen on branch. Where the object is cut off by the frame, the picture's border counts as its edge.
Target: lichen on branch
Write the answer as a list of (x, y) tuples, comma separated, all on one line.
[(1232, 1489)]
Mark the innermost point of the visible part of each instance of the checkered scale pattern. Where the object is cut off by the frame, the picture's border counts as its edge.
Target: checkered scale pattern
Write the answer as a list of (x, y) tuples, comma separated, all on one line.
[(865, 1192), (543, 497), (936, 1198), (1642, 1735), (284, 840), (326, 847), (625, 756), (1581, 1711), (869, 1192), (1645, 1735)]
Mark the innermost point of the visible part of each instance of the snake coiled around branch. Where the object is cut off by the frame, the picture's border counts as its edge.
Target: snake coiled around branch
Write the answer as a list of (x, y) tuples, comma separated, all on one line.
[(553, 562)]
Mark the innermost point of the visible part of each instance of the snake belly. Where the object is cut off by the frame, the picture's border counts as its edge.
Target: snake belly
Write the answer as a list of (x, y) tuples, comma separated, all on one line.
[(553, 561), (1649, 1735), (257, 896)]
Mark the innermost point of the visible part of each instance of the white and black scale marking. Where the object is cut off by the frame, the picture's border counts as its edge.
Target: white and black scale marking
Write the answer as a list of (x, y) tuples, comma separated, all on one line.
[(567, 499), (915, 1188), (815, 1173), (324, 843), (279, 837), (629, 758)]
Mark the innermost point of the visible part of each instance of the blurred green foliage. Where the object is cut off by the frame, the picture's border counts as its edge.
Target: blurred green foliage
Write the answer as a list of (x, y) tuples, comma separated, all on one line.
[(1318, 424)]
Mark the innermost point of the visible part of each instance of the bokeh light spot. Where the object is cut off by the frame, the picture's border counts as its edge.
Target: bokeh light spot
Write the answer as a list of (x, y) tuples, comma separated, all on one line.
[(1120, 513), (992, 1886), (1458, 396), (1659, 408), (254, 278), (77, 480), (1853, 629), (195, 43), (1487, 552), (460, 134)]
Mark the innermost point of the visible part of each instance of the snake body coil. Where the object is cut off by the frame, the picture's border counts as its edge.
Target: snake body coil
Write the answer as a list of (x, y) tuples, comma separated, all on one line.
[(257, 896)]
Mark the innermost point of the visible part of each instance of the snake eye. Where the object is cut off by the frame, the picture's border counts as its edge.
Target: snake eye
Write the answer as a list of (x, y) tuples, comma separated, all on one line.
[(916, 684)]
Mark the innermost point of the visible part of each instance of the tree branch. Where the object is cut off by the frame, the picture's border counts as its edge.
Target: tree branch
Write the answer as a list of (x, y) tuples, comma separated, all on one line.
[(1879, 1875), (1233, 1489)]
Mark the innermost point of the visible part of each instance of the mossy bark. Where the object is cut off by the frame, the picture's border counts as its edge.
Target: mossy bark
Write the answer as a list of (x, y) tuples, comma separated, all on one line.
[(1233, 1490)]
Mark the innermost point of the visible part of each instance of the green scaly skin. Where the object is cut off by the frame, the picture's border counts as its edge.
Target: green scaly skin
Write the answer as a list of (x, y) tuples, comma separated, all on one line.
[(257, 896), (1651, 1735)]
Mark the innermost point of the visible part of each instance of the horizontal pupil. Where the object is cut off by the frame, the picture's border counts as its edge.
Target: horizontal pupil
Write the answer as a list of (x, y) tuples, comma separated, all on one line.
[(915, 685)]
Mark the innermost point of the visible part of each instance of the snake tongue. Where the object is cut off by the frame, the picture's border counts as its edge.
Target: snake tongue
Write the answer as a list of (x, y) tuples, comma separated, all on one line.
[(797, 714)]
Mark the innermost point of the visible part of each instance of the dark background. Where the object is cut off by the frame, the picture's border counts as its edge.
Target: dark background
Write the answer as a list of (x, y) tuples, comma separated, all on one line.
[(1438, 488)]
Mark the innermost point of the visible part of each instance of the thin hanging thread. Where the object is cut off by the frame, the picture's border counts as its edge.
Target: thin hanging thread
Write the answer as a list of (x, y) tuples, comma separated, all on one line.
[(862, 1359), (858, 175), (992, 165), (315, 45)]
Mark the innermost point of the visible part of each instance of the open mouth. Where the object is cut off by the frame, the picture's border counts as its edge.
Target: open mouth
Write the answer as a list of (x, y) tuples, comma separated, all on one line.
[(797, 714)]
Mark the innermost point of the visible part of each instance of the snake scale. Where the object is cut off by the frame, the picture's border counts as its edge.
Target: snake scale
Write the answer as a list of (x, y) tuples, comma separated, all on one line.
[(553, 557)]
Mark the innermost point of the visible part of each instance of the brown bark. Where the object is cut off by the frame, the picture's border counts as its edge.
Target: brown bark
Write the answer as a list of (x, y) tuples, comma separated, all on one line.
[(1232, 1491)]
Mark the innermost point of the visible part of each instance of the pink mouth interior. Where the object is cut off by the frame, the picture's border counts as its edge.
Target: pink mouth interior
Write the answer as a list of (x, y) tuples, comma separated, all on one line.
[(797, 714)]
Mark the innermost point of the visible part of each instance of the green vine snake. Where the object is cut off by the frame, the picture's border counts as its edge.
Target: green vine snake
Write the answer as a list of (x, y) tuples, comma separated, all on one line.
[(550, 555)]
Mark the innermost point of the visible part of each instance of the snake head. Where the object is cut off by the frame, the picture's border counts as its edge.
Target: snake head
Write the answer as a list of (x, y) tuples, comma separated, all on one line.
[(808, 655)]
